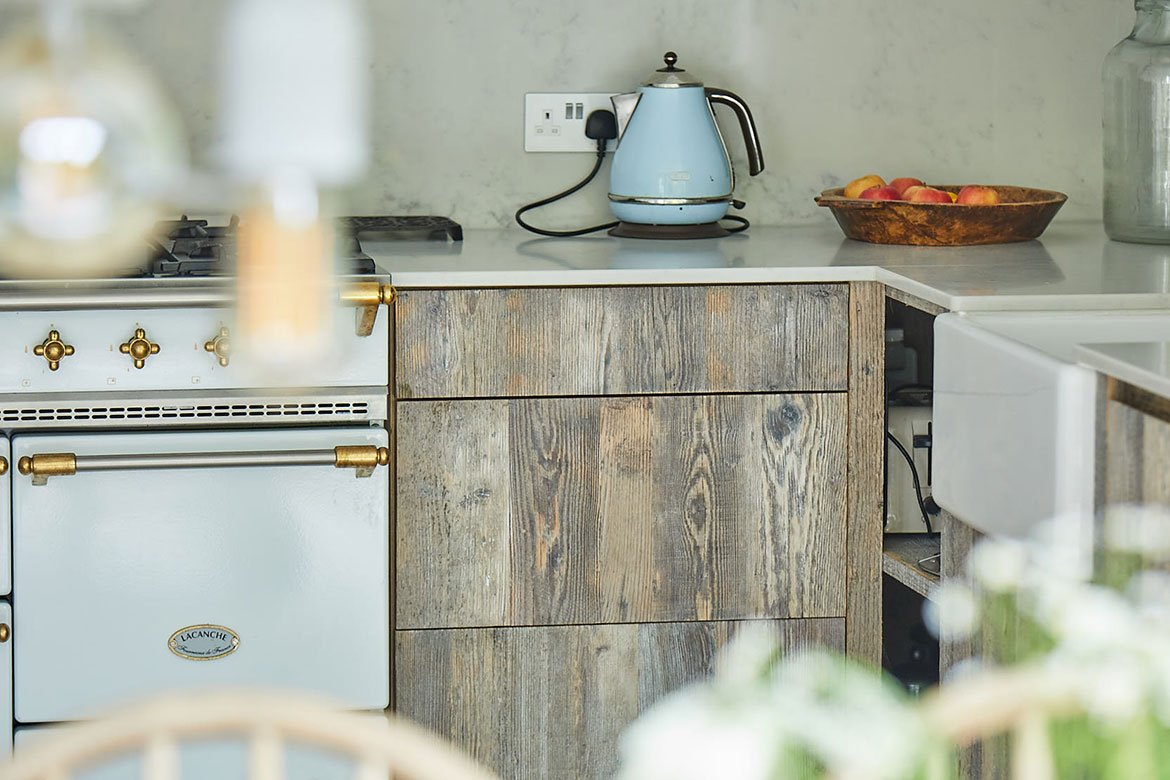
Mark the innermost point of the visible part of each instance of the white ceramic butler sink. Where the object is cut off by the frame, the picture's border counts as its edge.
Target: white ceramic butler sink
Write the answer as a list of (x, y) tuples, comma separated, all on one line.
[(1014, 415)]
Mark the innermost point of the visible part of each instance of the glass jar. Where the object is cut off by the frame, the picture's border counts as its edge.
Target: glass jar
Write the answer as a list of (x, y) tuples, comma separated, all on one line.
[(1136, 79)]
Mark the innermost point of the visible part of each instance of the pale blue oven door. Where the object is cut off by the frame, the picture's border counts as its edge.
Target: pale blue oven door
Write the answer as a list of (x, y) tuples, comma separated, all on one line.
[(6, 633), (143, 579), (208, 759), (6, 469)]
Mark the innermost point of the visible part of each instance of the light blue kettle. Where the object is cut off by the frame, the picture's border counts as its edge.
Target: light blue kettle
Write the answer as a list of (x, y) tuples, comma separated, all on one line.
[(671, 167)]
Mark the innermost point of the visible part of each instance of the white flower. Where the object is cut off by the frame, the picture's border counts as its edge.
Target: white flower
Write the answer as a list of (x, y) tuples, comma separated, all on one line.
[(848, 716), (968, 667), (1114, 693), (1000, 564), (1143, 529), (1093, 618), (811, 703), (951, 613), (1150, 591), (748, 659), (689, 734), (1062, 547)]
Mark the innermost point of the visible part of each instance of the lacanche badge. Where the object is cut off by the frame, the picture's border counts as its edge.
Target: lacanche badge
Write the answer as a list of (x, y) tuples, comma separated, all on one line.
[(204, 642)]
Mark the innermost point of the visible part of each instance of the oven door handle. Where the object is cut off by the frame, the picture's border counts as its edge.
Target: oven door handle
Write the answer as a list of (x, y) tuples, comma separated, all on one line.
[(363, 459)]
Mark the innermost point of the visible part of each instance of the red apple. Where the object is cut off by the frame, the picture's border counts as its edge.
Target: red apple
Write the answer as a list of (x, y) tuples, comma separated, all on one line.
[(978, 195), (880, 193), (901, 185), (920, 194)]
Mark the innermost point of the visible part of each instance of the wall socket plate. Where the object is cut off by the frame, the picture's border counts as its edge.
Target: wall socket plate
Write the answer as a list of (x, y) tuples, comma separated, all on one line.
[(555, 121)]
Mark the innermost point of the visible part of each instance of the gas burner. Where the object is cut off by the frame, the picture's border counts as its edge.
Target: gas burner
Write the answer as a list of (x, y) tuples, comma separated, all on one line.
[(427, 228), (192, 247)]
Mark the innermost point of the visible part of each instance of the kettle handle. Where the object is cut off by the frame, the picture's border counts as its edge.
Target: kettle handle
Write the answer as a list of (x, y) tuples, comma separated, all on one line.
[(751, 138)]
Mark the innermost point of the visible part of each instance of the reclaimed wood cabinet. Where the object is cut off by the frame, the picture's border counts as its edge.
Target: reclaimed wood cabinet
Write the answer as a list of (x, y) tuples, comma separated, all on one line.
[(552, 701), (595, 486), (630, 509)]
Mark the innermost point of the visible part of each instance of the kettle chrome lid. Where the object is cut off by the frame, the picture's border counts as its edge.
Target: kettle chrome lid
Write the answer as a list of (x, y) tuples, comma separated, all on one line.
[(671, 76)]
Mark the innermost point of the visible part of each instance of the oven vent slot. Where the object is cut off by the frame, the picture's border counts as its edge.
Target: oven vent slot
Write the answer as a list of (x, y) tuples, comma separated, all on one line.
[(204, 411)]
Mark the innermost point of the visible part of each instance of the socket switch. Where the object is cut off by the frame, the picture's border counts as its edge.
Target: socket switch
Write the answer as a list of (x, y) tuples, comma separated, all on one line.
[(555, 121)]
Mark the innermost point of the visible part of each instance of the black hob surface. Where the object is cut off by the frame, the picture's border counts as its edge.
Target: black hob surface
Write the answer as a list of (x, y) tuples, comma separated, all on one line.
[(193, 247)]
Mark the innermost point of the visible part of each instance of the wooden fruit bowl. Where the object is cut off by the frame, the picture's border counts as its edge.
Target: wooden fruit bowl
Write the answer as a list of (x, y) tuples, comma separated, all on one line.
[(1021, 215)]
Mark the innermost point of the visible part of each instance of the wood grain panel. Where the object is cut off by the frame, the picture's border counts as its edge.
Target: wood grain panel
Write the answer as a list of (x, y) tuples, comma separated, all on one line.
[(553, 701), (598, 510), (452, 543), (867, 446), (1138, 451), (620, 340), (553, 481), (626, 501)]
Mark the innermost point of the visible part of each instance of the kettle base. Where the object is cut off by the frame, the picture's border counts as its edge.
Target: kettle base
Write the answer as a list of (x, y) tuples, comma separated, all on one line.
[(639, 230)]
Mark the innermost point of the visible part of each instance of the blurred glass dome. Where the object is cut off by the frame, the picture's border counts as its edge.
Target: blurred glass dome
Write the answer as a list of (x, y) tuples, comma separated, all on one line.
[(89, 146)]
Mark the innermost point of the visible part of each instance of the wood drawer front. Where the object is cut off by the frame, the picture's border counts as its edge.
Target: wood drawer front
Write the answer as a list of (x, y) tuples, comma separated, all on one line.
[(598, 510), (551, 702), (621, 340)]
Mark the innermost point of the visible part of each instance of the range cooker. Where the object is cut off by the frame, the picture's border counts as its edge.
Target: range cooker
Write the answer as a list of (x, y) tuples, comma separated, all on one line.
[(167, 523)]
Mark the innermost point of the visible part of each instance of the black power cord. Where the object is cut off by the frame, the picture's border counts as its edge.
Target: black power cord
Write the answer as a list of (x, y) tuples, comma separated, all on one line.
[(917, 481), (602, 126), (926, 392)]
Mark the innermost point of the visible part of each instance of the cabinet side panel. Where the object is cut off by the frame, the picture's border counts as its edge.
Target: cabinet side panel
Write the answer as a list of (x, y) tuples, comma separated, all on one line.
[(863, 617)]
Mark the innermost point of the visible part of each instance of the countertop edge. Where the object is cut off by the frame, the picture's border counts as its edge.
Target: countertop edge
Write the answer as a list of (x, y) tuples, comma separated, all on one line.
[(1091, 356)]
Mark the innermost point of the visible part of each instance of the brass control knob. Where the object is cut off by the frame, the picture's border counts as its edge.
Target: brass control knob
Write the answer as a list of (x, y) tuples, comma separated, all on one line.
[(3, 466), (221, 346), (53, 349), (138, 348), (5, 632)]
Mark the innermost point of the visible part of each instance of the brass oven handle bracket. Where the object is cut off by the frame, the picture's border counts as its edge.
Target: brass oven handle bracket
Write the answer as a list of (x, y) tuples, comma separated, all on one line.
[(363, 459), (367, 297), (53, 464)]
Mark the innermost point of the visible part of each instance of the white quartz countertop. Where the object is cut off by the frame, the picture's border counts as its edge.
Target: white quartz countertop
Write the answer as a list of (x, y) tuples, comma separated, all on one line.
[(1072, 266), (1143, 364)]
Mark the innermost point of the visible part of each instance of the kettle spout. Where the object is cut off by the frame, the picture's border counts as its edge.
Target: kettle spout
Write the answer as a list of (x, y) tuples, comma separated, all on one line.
[(623, 109)]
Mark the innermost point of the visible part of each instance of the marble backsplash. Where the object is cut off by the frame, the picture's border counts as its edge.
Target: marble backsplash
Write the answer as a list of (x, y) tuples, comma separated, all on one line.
[(952, 91)]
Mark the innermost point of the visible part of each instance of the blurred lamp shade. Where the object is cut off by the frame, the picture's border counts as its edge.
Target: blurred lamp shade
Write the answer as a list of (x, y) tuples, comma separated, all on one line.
[(88, 147)]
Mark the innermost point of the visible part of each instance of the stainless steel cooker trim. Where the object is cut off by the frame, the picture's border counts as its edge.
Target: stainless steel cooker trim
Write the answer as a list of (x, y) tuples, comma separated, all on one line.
[(210, 408), (366, 295), (99, 298)]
